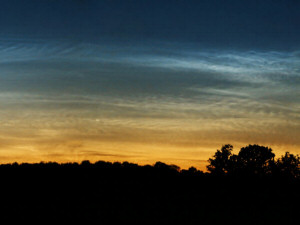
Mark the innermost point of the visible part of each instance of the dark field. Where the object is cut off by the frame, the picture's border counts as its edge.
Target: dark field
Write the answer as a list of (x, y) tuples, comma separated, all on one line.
[(106, 193)]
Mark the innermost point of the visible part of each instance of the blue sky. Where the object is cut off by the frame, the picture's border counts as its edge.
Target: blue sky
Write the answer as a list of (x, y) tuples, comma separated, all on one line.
[(147, 80)]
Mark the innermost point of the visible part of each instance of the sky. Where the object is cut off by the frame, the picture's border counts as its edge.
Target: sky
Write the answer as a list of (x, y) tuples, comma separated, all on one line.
[(145, 81)]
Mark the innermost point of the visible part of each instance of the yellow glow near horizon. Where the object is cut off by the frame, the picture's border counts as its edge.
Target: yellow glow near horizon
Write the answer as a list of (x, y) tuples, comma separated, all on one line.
[(62, 103), (184, 142)]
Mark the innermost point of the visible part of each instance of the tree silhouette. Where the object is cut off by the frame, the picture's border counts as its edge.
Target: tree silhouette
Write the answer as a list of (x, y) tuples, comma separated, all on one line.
[(289, 165), (124, 192), (251, 160), (255, 159), (220, 162), (165, 167)]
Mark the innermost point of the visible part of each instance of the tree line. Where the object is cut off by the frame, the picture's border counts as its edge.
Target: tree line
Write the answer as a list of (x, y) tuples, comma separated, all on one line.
[(253, 160), (247, 188)]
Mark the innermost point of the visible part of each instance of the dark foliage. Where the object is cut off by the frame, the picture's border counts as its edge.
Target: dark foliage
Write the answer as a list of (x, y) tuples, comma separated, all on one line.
[(253, 161), (126, 193), (220, 164), (288, 166)]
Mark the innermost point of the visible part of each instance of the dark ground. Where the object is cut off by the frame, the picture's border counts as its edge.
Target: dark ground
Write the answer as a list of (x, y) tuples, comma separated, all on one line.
[(105, 193)]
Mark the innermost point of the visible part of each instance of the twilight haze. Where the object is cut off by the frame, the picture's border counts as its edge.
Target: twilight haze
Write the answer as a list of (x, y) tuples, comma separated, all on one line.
[(146, 81)]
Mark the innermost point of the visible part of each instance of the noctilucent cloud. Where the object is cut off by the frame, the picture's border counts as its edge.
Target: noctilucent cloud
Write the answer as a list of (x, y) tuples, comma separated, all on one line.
[(145, 81)]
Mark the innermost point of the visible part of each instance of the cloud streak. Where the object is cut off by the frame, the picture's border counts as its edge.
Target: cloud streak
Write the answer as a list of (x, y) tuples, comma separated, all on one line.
[(100, 100)]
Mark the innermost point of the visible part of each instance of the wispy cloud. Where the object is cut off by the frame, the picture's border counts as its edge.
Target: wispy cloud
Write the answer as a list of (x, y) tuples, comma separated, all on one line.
[(159, 55), (79, 96)]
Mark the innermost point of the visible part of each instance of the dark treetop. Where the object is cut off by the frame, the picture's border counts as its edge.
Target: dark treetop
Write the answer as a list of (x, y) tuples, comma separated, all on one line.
[(248, 188)]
